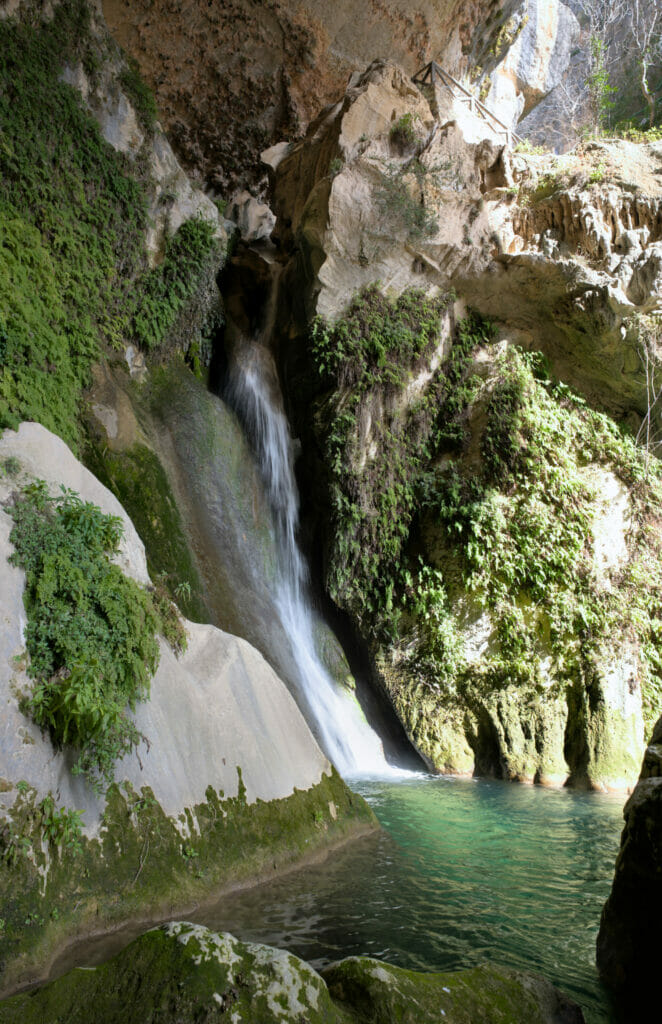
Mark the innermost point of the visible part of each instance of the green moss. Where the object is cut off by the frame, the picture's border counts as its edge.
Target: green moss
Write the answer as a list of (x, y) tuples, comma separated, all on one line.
[(378, 993), (139, 864), (187, 973), (137, 479)]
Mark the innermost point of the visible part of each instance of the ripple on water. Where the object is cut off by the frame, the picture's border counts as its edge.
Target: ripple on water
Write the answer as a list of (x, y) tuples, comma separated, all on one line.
[(466, 871)]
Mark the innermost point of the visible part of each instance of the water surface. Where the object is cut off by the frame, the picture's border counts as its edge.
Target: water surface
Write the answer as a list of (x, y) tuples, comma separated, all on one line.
[(465, 871)]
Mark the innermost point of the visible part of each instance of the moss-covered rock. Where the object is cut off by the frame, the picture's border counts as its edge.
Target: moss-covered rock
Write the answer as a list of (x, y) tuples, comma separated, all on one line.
[(136, 477), (489, 535), (377, 993), (185, 974)]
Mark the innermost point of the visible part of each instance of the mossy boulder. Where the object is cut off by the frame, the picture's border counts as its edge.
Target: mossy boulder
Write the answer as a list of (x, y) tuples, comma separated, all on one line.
[(377, 993), (183, 973)]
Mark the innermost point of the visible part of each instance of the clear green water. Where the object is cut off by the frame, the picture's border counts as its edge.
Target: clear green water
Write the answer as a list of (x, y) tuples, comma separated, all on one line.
[(464, 872)]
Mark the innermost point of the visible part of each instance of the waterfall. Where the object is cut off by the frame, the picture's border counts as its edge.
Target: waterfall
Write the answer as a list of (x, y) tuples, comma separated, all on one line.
[(255, 394)]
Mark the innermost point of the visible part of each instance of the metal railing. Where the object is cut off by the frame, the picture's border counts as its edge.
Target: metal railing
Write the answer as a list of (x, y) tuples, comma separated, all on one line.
[(433, 74)]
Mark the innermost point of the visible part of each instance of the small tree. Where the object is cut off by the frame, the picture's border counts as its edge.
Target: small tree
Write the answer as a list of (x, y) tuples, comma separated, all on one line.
[(599, 86), (645, 24)]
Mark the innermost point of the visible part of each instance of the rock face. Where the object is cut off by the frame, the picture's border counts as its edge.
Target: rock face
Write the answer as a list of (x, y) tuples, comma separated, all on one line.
[(628, 929), (564, 256), (564, 252), (188, 971), (539, 42), (219, 721), (174, 199), (259, 75)]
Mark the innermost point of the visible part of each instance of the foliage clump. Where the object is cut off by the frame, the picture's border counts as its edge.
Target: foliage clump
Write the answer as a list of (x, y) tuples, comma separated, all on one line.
[(166, 289), (402, 132), (140, 95), (73, 216), (476, 493), (91, 632), (401, 197), (370, 356)]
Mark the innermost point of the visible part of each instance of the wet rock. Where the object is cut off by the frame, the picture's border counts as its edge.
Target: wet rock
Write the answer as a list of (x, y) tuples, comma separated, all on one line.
[(184, 973), (627, 945)]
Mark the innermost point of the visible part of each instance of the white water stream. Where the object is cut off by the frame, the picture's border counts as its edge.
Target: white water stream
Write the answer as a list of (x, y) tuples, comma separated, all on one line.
[(345, 734)]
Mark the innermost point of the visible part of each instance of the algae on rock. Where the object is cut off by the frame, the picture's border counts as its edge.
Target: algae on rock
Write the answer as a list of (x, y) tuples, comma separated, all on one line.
[(186, 973)]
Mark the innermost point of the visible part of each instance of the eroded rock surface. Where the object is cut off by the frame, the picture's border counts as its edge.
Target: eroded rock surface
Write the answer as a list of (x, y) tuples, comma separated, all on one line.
[(232, 79)]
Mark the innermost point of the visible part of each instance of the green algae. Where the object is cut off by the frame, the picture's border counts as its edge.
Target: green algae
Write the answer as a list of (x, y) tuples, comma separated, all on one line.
[(186, 974), (143, 864)]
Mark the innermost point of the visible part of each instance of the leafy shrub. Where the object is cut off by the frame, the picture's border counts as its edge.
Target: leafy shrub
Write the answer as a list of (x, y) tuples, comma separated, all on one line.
[(61, 828), (403, 132), (91, 630), (401, 196)]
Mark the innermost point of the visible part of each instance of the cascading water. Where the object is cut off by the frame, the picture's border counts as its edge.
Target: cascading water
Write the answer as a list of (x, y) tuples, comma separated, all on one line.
[(347, 738)]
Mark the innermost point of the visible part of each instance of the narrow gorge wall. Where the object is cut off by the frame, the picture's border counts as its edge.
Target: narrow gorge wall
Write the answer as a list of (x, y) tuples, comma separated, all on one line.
[(469, 493)]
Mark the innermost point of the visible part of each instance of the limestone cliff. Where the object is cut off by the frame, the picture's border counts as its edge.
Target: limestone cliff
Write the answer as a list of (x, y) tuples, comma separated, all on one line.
[(460, 473), (233, 78)]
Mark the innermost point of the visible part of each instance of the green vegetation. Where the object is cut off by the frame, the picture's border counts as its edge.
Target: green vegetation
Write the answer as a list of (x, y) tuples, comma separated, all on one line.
[(369, 357), (402, 132), (600, 89), (629, 131), (166, 290), (401, 196), (474, 494), (91, 630), (71, 226), (526, 147), (140, 95), (73, 216), (37, 823), (138, 481), (136, 864)]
